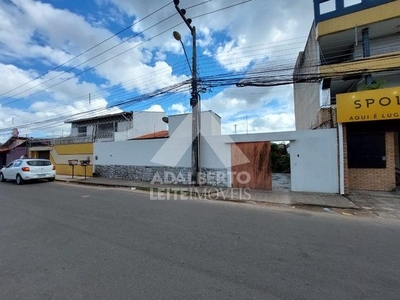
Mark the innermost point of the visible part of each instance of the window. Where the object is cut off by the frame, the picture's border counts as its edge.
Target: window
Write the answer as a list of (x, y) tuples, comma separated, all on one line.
[(82, 131), (327, 6), (348, 3), (39, 163), (106, 127), (17, 163), (366, 150), (106, 130)]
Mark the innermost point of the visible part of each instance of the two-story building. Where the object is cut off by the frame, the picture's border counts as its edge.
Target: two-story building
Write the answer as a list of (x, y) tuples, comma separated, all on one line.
[(78, 146), (348, 77), (118, 127)]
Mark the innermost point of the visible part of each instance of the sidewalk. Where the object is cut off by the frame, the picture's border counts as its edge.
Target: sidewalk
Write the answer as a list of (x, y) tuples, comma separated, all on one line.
[(277, 197), (382, 204)]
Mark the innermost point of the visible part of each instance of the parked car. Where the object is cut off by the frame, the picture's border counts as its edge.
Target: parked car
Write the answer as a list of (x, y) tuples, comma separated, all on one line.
[(21, 170)]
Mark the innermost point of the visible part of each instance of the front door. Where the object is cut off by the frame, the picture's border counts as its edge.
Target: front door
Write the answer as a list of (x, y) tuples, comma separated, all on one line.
[(44, 154)]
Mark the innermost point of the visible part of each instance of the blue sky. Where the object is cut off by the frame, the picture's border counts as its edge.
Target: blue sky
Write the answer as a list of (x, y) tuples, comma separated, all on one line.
[(54, 54)]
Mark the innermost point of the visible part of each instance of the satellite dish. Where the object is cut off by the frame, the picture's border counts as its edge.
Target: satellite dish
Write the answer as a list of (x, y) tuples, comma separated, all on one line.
[(165, 119)]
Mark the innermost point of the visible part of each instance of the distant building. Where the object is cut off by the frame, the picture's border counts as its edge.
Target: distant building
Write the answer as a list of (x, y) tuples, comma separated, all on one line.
[(78, 146), (14, 148), (118, 127), (348, 77)]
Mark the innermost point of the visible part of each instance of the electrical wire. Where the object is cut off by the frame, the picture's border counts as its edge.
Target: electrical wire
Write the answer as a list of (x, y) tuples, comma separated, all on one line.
[(86, 51), (283, 75)]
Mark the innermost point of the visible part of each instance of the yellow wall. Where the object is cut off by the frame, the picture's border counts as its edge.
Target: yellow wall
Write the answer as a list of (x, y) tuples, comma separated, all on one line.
[(364, 17), (86, 148), (60, 154), (371, 64)]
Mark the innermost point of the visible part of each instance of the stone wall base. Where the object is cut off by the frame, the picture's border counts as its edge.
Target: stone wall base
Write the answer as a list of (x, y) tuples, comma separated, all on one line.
[(163, 174)]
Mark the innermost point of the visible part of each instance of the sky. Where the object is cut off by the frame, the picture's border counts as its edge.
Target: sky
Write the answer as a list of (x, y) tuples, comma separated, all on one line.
[(69, 59)]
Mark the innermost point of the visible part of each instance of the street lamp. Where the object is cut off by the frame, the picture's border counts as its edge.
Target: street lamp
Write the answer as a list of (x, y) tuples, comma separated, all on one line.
[(178, 37), (194, 99)]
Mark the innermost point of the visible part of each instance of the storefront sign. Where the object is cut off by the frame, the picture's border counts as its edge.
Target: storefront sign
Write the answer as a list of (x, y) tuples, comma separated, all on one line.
[(373, 105)]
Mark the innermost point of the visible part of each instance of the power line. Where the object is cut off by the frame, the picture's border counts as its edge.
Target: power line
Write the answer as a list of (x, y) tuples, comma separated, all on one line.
[(261, 77), (84, 52), (72, 68)]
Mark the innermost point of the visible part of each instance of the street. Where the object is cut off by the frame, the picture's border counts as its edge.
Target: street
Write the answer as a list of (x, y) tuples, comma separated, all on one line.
[(66, 241)]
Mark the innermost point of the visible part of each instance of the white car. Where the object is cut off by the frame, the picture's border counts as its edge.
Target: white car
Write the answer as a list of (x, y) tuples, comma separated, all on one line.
[(21, 170)]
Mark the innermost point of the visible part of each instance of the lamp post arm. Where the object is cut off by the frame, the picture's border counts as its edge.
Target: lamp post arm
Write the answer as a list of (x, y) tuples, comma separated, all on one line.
[(187, 58)]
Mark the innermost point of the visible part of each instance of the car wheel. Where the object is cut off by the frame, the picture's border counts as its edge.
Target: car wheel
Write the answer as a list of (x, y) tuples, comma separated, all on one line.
[(2, 179), (19, 180), (51, 179)]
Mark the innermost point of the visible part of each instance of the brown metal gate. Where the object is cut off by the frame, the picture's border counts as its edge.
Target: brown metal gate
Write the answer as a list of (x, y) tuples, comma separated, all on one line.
[(257, 172)]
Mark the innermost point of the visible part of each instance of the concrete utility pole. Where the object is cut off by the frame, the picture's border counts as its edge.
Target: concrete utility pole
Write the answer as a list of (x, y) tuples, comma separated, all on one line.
[(194, 100)]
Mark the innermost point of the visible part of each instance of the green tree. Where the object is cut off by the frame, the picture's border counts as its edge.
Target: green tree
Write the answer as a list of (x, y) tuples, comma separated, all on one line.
[(280, 158)]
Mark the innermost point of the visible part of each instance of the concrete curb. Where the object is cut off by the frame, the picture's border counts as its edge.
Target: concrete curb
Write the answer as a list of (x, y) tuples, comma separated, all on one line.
[(212, 196)]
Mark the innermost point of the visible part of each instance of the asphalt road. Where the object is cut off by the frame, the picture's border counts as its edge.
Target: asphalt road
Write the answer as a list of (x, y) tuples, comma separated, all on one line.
[(64, 241)]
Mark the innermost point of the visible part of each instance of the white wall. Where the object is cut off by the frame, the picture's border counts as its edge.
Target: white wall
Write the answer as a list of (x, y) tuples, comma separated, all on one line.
[(215, 152), (175, 152), (181, 125), (313, 155), (123, 135), (125, 153), (314, 162), (210, 123), (146, 122)]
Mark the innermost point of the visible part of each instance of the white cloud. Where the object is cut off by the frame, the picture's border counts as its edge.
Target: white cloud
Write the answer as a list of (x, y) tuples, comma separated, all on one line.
[(269, 122), (235, 38), (155, 108), (11, 117), (179, 108), (231, 55)]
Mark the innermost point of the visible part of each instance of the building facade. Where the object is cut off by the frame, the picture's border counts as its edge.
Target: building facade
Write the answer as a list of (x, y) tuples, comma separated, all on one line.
[(78, 146), (348, 78), (118, 127), (12, 149)]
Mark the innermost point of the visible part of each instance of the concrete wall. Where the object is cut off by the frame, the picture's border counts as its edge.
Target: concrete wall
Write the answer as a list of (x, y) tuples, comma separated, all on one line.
[(313, 157), (307, 94), (60, 154), (210, 123), (181, 125), (314, 162), (315, 169), (143, 159), (146, 122)]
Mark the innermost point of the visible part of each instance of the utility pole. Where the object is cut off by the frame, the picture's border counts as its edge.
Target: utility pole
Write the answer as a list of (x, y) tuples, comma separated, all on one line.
[(194, 100)]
